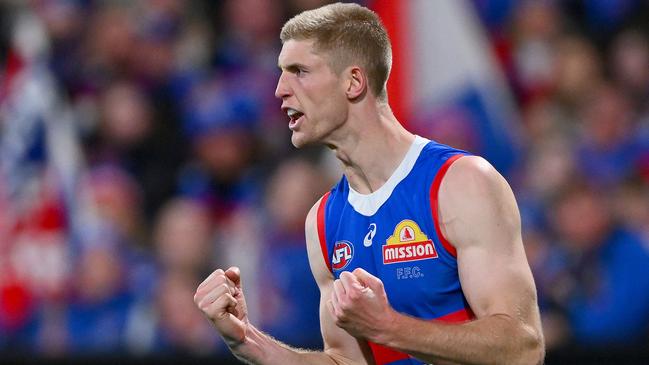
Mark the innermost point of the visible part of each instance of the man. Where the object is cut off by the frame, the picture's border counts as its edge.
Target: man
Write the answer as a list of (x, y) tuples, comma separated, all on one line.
[(417, 251)]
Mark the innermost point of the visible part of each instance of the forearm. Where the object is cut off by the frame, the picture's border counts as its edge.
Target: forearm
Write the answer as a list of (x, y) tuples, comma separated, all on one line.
[(259, 348), (497, 339)]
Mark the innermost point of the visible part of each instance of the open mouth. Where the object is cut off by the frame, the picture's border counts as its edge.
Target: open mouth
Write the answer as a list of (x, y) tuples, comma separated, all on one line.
[(294, 117)]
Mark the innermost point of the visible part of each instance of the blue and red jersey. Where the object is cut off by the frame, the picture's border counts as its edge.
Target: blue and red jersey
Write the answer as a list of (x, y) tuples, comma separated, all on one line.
[(394, 234)]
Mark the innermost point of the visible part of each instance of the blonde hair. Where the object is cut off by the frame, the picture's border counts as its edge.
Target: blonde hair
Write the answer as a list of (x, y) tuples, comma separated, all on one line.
[(347, 34)]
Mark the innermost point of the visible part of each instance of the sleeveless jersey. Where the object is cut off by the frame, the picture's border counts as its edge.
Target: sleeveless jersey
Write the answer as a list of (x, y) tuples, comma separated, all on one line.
[(393, 233)]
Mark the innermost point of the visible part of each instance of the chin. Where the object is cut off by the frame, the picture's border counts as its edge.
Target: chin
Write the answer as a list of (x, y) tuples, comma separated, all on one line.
[(299, 140)]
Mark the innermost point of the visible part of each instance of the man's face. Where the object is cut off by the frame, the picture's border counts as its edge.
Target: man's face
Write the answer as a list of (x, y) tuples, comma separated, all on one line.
[(313, 96)]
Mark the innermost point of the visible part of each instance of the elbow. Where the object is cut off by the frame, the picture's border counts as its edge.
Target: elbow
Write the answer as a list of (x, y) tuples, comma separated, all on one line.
[(534, 355), (532, 347), (525, 344)]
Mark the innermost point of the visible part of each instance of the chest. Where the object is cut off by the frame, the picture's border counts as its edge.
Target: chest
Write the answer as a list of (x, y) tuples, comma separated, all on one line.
[(400, 246)]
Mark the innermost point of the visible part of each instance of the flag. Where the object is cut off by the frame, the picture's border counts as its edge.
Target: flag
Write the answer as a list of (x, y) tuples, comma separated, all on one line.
[(446, 83)]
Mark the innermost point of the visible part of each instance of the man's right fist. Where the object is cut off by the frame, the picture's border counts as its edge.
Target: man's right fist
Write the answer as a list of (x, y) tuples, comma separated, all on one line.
[(221, 299)]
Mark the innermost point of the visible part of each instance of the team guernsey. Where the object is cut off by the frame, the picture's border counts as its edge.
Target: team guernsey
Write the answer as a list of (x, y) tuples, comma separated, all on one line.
[(394, 234)]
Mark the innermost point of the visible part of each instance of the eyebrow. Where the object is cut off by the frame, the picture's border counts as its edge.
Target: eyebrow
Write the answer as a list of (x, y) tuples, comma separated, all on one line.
[(292, 66)]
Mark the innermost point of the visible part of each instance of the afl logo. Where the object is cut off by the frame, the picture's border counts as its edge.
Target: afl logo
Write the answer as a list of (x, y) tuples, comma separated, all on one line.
[(342, 255)]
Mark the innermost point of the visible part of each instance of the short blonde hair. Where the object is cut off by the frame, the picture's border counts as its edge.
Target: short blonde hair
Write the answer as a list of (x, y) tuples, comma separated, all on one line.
[(347, 34)]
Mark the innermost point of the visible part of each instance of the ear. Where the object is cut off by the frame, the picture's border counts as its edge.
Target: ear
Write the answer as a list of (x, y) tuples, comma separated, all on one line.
[(357, 82)]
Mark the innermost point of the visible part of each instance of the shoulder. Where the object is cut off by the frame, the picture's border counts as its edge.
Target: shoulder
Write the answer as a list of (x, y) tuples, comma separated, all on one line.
[(434, 150), (316, 248), (436, 158), (473, 176), (476, 201), (311, 223)]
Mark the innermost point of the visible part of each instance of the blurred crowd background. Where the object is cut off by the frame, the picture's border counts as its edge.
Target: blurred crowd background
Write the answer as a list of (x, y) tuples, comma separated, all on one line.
[(141, 147)]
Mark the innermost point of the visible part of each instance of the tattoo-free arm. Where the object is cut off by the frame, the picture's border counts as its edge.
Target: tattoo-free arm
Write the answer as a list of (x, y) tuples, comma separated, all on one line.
[(340, 348), (479, 216)]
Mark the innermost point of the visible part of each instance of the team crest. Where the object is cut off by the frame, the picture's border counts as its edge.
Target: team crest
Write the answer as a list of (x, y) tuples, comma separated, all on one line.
[(342, 255), (408, 243)]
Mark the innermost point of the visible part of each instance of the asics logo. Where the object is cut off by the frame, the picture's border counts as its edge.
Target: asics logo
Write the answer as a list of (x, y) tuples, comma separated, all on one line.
[(367, 242)]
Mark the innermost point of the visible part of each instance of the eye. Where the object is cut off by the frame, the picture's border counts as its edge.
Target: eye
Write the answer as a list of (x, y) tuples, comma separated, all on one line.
[(296, 70), (300, 71)]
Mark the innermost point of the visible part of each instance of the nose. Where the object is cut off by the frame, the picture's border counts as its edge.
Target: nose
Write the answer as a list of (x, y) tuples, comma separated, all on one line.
[(282, 89)]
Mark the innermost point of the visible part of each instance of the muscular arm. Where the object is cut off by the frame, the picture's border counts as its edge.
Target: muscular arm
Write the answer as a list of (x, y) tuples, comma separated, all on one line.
[(478, 215), (221, 298)]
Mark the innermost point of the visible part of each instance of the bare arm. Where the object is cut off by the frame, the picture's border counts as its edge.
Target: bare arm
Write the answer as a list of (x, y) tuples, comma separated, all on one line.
[(221, 298), (478, 215)]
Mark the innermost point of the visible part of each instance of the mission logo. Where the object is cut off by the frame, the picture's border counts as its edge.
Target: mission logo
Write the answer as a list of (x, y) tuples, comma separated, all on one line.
[(408, 243)]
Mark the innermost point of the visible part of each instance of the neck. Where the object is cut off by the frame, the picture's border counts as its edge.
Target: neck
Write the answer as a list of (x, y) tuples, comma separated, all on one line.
[(370, 145)]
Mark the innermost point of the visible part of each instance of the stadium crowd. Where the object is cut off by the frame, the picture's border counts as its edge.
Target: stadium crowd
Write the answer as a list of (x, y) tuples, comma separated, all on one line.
[(177, 160)]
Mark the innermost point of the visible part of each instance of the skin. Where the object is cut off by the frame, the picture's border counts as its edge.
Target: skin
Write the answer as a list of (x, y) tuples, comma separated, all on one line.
[(478, 215)]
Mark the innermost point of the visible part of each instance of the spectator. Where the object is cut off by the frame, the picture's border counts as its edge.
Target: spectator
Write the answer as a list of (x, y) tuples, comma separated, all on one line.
[(180, 328), (96, 318), (600, 258), (609, 149), (291, 298), (184, 236)]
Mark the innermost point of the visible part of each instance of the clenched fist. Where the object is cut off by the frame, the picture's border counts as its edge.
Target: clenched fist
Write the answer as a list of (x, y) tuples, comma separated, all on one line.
[(221, 299), (360, 305)]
